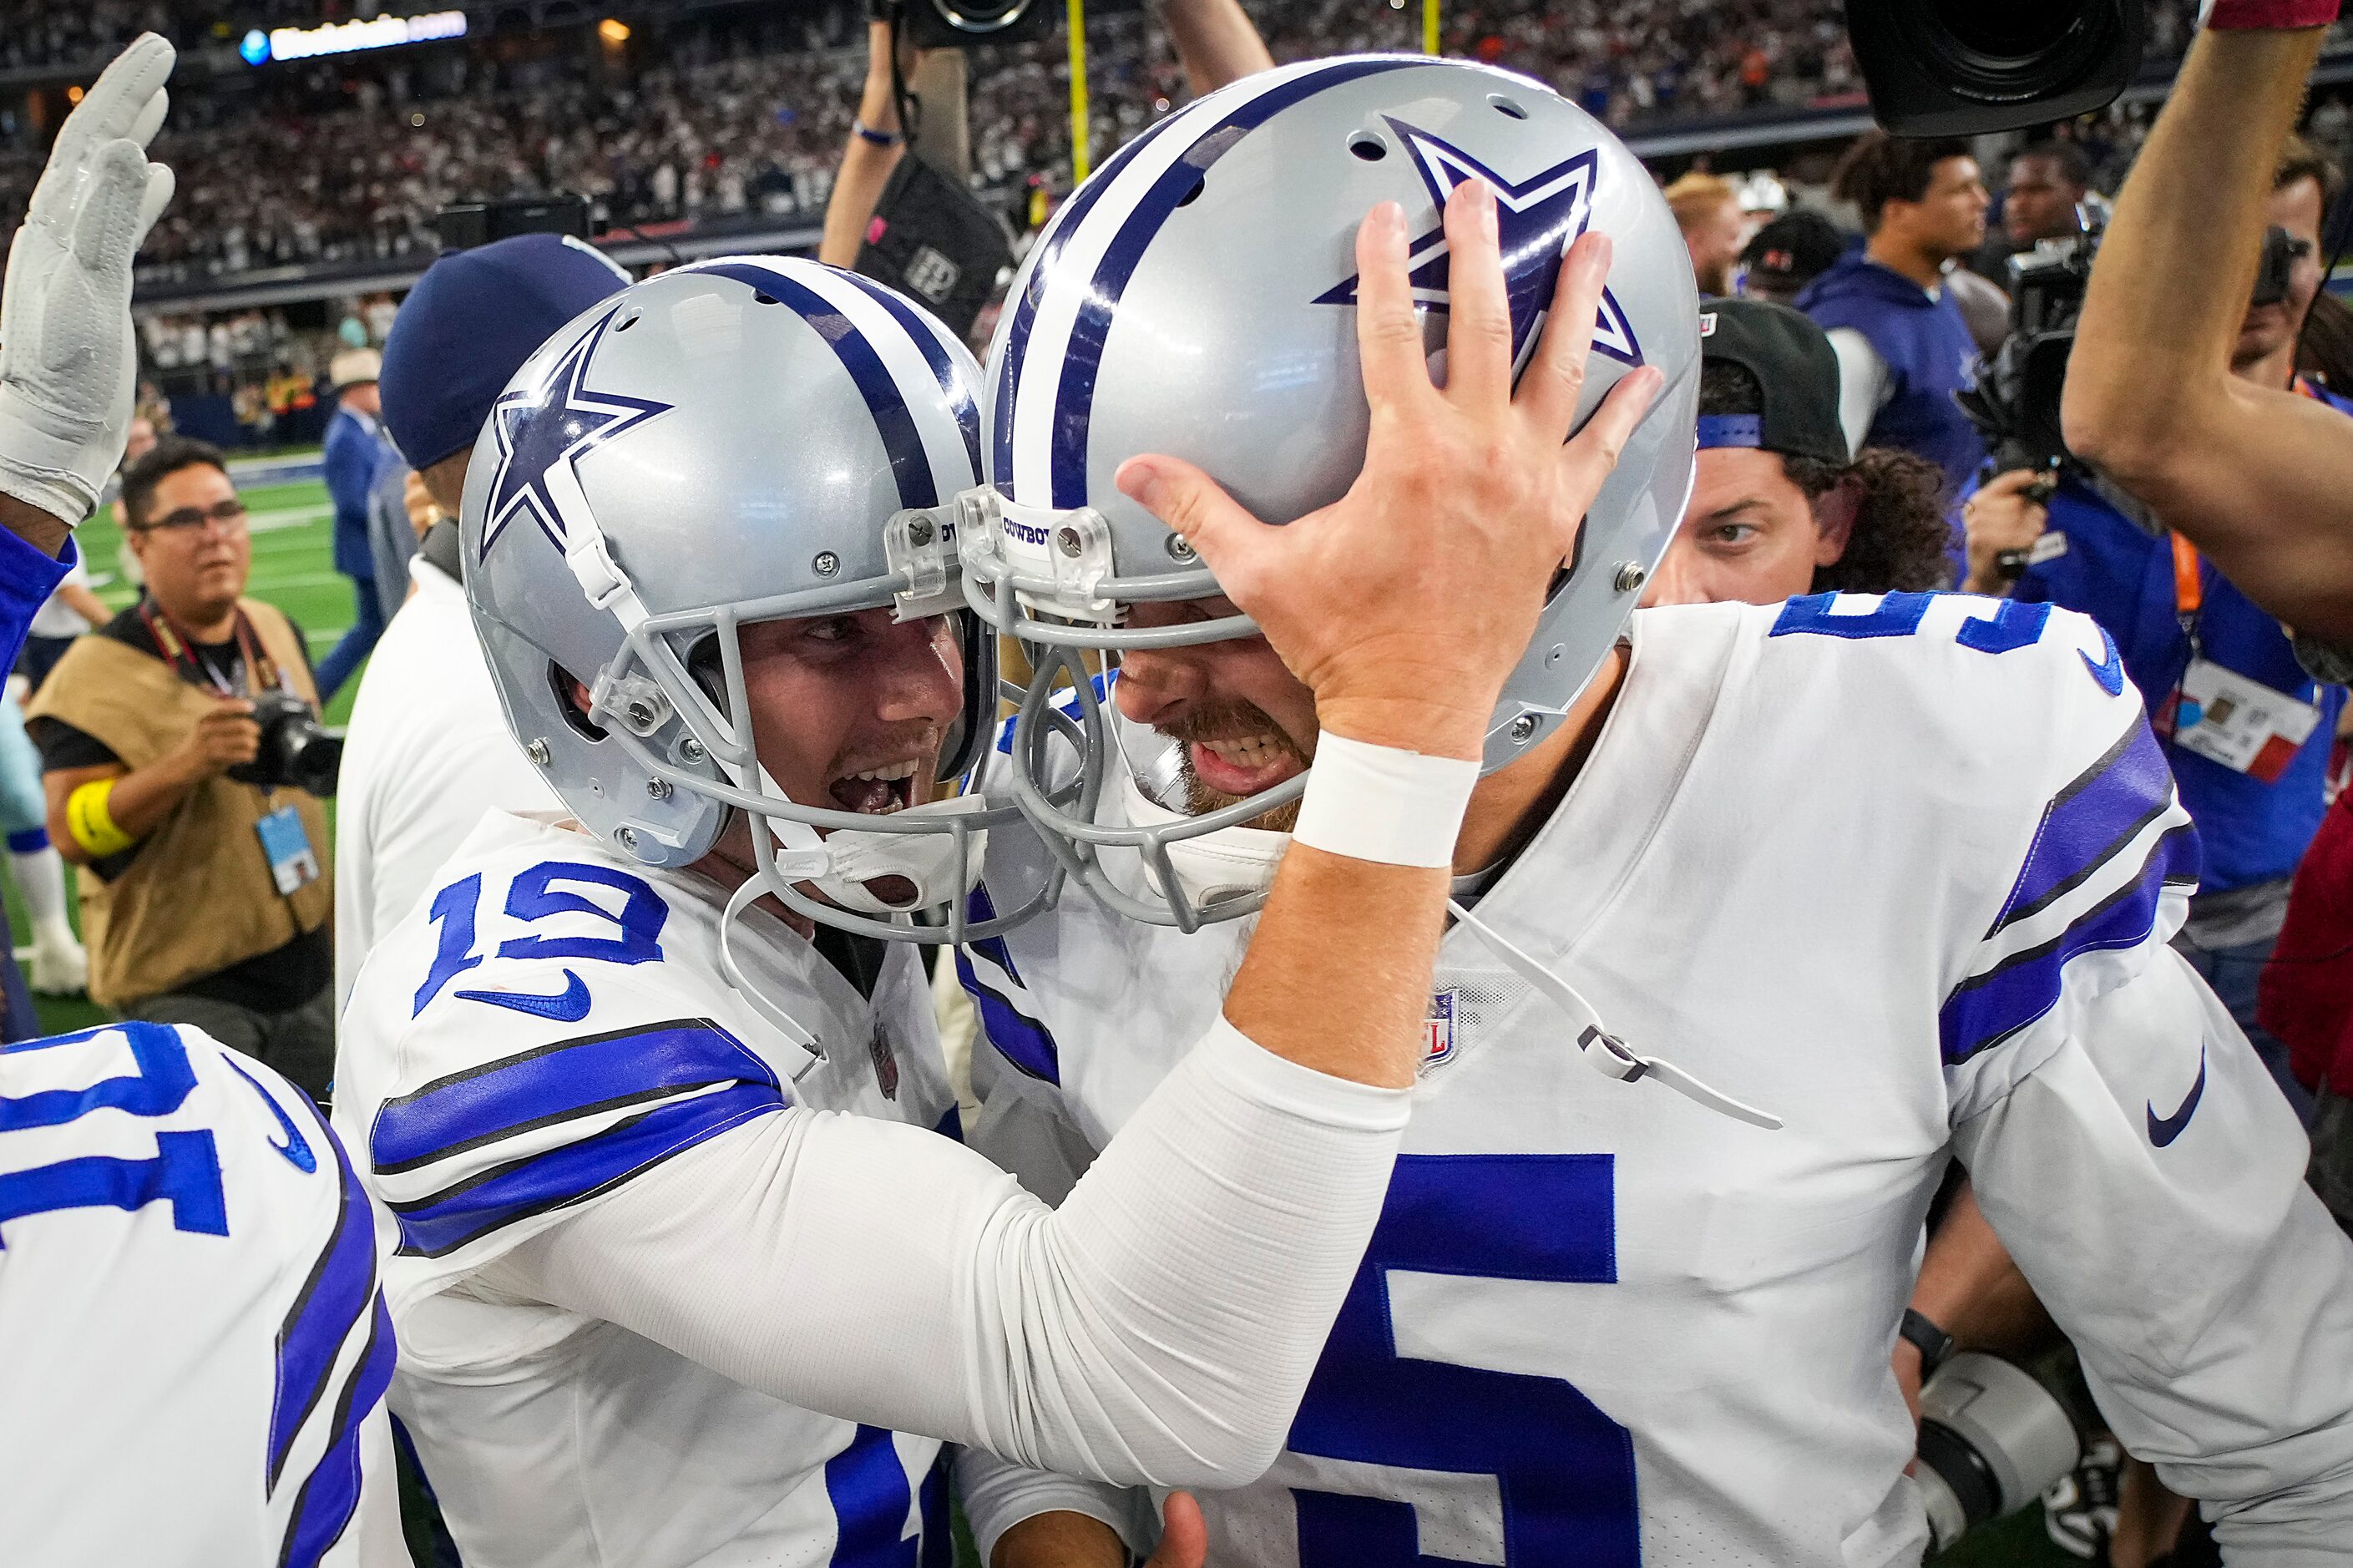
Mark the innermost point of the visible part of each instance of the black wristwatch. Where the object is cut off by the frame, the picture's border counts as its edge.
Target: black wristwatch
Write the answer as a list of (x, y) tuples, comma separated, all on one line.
[(1934, 1345)]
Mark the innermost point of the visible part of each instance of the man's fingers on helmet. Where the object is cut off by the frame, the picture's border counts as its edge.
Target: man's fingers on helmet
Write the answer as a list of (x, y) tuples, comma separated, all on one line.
[(1388, 334), (1555, 382), (1188, 500), (1597, 446), (1477, 312)]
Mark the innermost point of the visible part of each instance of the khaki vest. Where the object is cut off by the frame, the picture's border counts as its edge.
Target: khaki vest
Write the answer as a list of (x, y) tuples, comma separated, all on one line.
[(198, 897)]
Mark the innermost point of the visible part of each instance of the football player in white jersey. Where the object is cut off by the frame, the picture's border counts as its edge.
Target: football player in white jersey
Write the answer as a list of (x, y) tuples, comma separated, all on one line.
[(194, 1350), (658, 1304), (1832, 893)]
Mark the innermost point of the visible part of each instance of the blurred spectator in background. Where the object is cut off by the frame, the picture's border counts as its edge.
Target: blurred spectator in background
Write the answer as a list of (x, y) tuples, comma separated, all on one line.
[(1787, 254), (1778, 507), (2250, 732), (203, 897), (428, 751), (356, 452), (59, 965), (1707, 210), (1903, 348), (2046, 183)]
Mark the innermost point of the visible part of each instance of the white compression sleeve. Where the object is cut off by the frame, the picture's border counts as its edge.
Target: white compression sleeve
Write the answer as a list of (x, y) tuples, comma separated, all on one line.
[(1159, 1327), (1865, 383)]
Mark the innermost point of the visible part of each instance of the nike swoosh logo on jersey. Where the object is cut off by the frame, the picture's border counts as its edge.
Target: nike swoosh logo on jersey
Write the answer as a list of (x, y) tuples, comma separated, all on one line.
[(568, 1006), (297, 1148), (2164, 1129), (2110, 671)]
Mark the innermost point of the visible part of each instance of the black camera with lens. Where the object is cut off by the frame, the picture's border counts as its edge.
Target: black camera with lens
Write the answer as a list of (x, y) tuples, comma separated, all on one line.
[(297, 750), (2015, 403)]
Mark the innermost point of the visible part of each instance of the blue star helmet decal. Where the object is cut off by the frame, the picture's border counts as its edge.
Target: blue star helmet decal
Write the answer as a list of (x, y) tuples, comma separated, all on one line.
[(543, 431), (1537, 220)]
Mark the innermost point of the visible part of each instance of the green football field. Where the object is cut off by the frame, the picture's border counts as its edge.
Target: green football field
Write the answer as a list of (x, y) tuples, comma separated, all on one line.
[(293, 568)]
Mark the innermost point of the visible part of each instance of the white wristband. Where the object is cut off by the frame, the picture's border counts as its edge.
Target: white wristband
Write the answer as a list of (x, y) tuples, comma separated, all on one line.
[(1379, 803)]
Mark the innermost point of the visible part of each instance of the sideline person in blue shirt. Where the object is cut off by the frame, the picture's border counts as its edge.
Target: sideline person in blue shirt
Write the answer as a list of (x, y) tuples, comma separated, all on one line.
[(1902, 345), (356, 452)]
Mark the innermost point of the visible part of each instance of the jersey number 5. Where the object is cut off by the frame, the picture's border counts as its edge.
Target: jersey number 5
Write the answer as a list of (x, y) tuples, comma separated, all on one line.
[(186, 1172), (1562, 1472)]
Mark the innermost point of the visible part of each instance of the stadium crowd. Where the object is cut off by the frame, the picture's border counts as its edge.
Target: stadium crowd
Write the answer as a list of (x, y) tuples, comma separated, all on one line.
[(732, 117), (2100, 840)]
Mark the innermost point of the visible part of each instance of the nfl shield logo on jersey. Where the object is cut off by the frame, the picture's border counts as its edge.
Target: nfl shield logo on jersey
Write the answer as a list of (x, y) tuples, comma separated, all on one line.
[(1438, 1031)]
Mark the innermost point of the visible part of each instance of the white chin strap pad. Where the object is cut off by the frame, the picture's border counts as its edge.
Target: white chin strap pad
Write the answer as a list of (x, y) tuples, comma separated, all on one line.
[(1210, 866), (841, 863)]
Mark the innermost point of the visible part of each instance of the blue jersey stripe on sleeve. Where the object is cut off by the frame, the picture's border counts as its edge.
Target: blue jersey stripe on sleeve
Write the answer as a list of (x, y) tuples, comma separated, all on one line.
[(1987, 1009), (330, 1493), (333, 1300), (554, 1083), (440, 1224), (2100, 812)]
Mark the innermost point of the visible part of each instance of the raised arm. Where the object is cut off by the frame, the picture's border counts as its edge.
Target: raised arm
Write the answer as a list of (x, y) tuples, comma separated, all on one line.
[(2255, 476), (1216, 40), (68, 360), (866, 163)]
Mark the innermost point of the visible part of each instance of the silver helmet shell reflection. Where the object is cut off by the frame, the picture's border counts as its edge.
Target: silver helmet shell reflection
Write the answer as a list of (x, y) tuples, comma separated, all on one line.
[(740, 440), (1195, 298)]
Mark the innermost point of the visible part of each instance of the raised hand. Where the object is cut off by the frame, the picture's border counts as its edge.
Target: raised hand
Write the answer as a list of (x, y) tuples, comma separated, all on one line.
[(1405, 604), (69, 363)]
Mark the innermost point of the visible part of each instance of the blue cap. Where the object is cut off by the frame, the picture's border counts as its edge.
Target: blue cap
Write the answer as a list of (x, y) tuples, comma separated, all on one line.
[(468, 326)]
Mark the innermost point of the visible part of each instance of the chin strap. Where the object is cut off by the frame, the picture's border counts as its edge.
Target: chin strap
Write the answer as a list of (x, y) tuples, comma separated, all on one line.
[(1605, 1052), (810, 1051)]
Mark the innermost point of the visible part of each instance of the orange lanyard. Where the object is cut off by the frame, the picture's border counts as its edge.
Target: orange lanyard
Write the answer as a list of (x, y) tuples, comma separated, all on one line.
[(2188, 585)]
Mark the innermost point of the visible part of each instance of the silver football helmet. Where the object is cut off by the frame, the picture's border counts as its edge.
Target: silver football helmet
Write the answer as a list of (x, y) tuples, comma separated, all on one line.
[(1193, 298), (736, 441)]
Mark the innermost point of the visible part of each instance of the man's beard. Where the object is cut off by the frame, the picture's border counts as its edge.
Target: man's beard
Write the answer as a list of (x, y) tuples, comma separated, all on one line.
[(1226, 721)]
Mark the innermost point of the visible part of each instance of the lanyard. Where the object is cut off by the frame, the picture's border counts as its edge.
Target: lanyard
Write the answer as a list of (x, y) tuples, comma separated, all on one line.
[(2189, 583), (181, 649)]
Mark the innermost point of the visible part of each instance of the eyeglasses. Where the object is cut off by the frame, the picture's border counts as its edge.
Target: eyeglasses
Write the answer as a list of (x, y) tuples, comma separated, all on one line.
[(230, 515)]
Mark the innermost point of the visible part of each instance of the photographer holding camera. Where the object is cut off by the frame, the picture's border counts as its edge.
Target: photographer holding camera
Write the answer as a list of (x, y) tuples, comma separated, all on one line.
[(183, 761), (2249, 731)]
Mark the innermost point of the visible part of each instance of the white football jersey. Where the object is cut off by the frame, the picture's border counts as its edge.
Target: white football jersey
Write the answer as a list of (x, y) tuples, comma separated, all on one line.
[(193, 1347), (1900, 871), (549, 1024)]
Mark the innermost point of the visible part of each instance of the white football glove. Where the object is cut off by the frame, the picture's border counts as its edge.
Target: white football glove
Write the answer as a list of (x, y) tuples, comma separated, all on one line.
[(69, 363)]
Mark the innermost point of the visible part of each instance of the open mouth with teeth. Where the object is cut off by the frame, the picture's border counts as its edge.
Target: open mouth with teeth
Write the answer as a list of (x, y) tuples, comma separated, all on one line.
[(1242, 766), (877, 791)]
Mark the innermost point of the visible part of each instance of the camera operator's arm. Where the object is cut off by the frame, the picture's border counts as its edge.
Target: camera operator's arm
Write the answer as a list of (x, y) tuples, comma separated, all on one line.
[(1969, 1287), (141, 798), (2000, 519), (1216, 41), (2255, 476), (876, 145)]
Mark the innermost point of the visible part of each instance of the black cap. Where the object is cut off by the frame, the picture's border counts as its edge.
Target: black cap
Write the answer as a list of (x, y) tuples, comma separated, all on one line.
[(1795, 369), (1793, 250)]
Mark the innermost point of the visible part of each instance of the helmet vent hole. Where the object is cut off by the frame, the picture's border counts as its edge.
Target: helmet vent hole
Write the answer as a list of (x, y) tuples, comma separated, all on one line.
[(760, 299), (1193, 193), (1507, 107), (627, 321), (1368, 147)]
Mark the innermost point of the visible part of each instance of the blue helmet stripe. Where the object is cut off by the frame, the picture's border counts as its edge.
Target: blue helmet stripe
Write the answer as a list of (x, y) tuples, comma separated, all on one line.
[(935, 354), (1007, 382), (910, 465), (1074, 396)]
